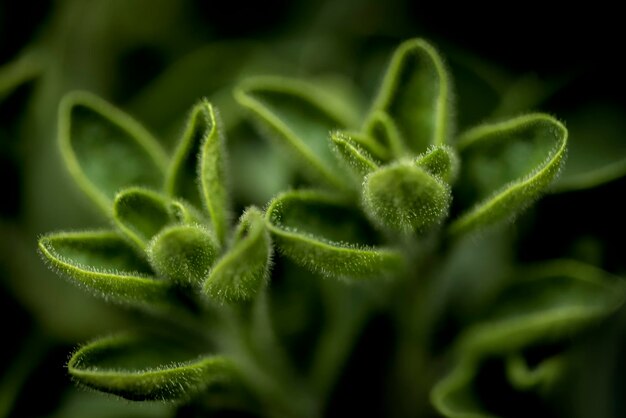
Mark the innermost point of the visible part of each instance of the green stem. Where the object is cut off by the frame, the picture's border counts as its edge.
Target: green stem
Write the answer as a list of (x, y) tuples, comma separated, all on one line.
[(413, 370), (247, 334), (347, 310)]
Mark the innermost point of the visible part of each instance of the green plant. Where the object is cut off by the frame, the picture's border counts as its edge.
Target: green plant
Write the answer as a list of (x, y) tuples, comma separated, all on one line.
[(391, 205)]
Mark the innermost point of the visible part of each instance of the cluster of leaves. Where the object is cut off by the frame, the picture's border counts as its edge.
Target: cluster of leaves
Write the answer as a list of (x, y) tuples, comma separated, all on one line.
[(388, 197)]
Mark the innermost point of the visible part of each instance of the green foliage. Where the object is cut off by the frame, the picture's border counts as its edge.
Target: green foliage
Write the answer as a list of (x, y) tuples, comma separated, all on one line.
[(231, 279), (141, 368), (506, 166), (382, 220), (94, 137), (323, 233), (183, 253)]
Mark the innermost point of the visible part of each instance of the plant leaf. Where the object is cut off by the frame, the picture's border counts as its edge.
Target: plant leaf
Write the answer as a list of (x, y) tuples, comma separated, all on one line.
[(105, 150), (354, 157), (440, 161), (541, 377), (105, 264), (244, 269), (551, 302), (548, 305), (506, 166), (299, 117), (415, 93), (324, 234), (453, 397), (185, 213), (25, 68), (385, 131), (212, 174), (141, 213), (596, 152), (183, 253), (141, 368), (404, 197)]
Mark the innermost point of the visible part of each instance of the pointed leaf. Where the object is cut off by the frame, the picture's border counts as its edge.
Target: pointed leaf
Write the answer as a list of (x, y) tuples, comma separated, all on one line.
[(441, 162), (105, 264), (105, 150), (299, 117), (506, 166), (415, 93), (321, 232), (141, 213), (142, 368), (353, 156), (404, 197), (244, 269), (212, 174), (183, 253)]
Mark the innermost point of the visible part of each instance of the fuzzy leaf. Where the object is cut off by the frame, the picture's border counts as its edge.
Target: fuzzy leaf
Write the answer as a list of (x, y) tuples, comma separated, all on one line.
[(506, 166), (404, 197), (385, 131), (141, 368), (105, 264), (441, 162), (299, 117), (185, 213), (105, 150), (182, 175), (321, 232), (141, 213), (212, 174), (244, 269), (415, 93), (183, 253), (354, 157)]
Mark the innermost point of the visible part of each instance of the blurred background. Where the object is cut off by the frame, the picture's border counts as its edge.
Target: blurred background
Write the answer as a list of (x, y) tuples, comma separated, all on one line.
[(156, 58)]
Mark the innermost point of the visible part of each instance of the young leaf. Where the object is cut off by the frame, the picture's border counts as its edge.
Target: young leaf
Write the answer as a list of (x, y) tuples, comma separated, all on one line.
[(321, 232), (142, 368), (183, 253), (506, 166), (355, 158), (105, 150), (441, 162), (244, 269), (185, 213), (404, 197), (141, 213), (415, 93), (385, 131), (212, 174), (299, 116), (105, 264)]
